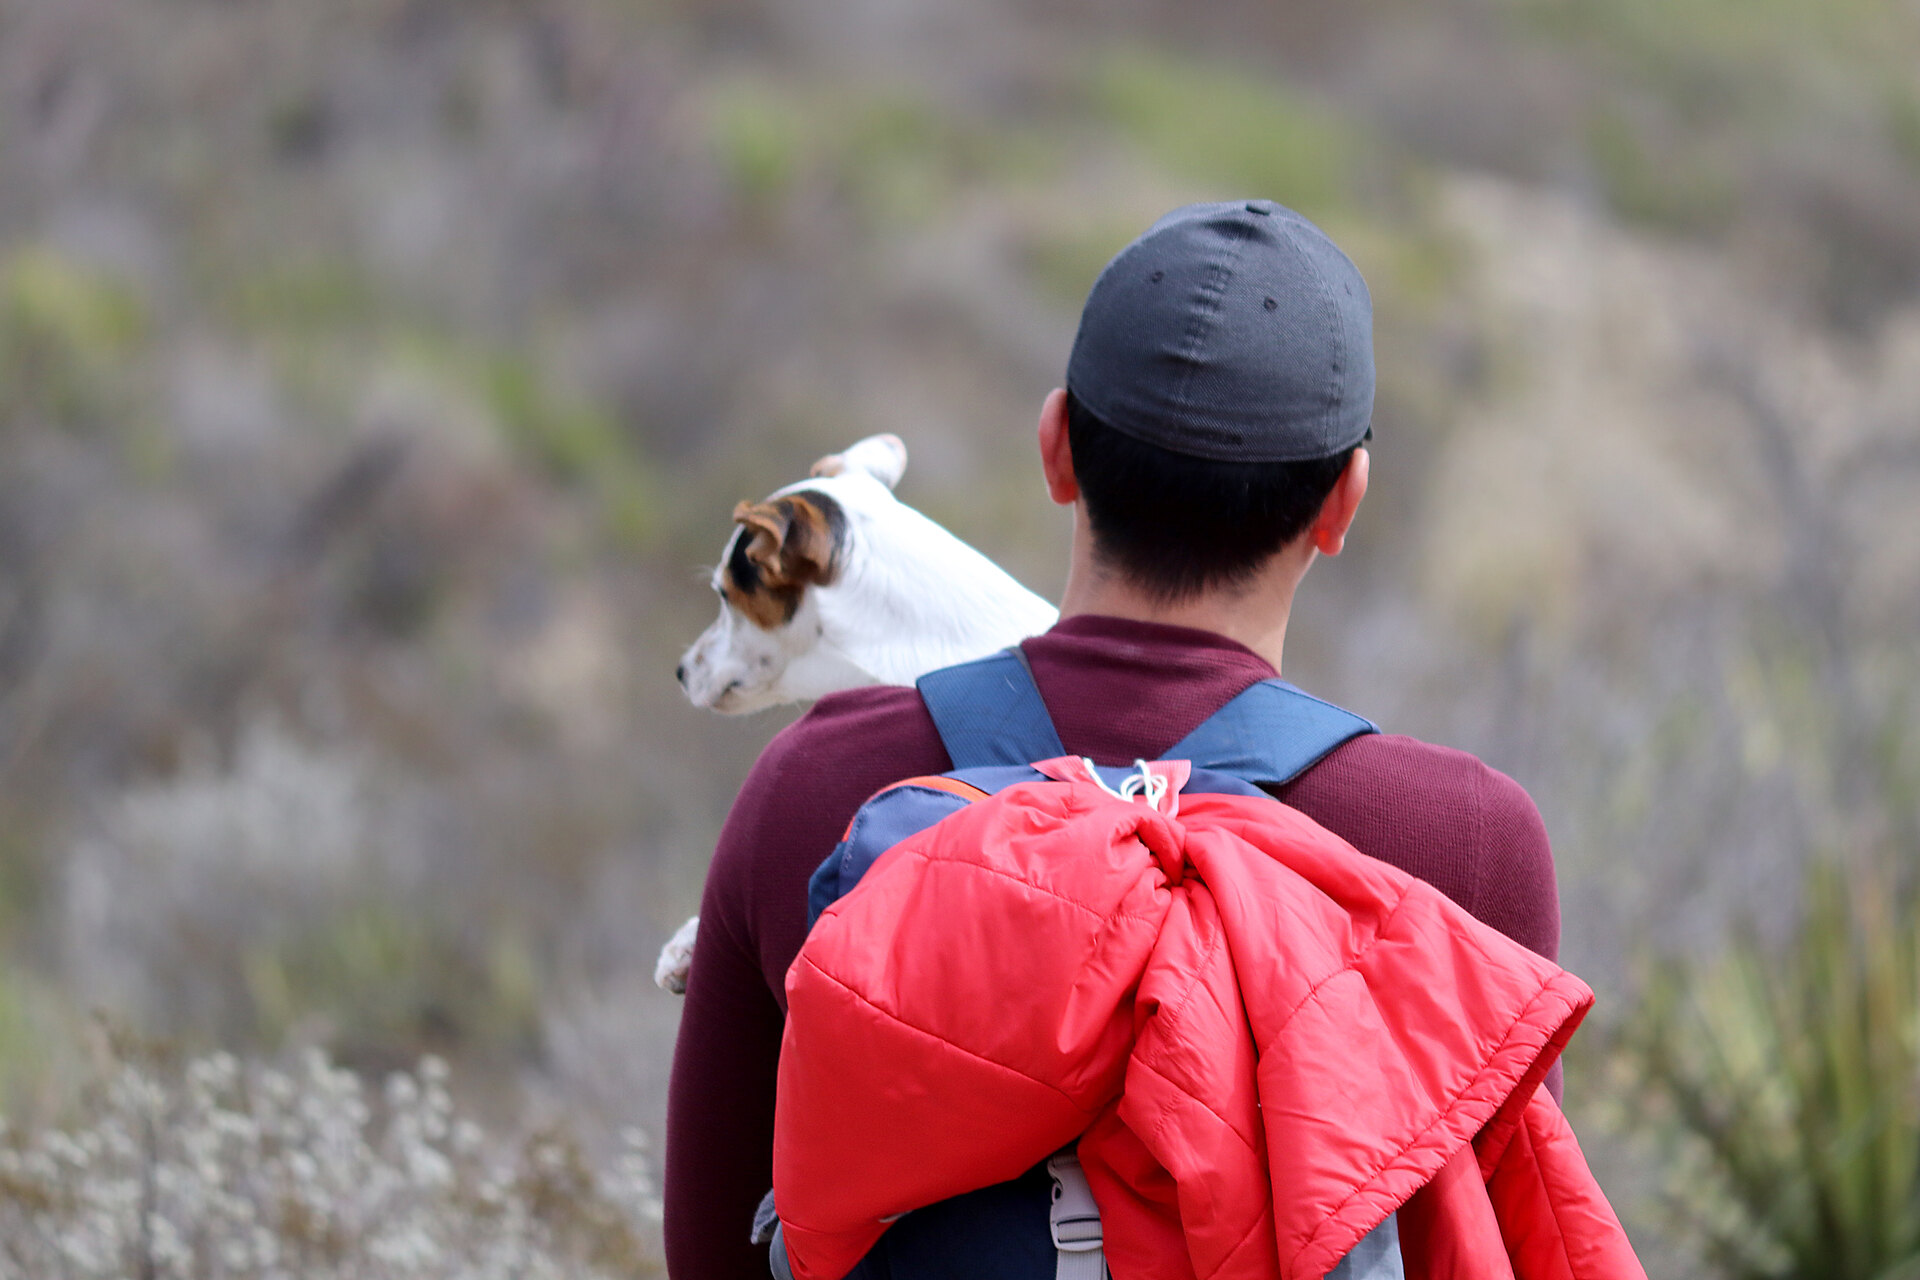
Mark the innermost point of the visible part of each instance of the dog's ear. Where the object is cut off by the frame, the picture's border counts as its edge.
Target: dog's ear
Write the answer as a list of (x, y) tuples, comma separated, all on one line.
[(790, 540), (884, 457)]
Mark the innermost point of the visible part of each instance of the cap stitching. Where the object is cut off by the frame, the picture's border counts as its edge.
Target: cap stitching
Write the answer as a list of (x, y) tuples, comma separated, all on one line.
[(1212, 290)]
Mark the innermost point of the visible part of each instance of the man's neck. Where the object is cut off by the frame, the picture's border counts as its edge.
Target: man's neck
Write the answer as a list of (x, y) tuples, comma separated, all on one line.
[(1253, 614)]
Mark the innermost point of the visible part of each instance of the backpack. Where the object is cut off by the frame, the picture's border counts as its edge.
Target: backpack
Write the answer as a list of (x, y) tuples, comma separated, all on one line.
[(994, 725)]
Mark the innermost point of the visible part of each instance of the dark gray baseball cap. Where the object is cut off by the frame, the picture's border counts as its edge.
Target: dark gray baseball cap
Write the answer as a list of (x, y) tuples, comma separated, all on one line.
[(1232, 331)]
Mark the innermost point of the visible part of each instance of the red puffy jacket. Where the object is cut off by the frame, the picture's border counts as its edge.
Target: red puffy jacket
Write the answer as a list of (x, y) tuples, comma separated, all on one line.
[(1264, 1040)]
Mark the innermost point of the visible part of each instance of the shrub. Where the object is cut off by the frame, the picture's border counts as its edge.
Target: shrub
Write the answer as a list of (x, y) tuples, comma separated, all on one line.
[(65, 334), (234, 1171), (1788, 1080), (237, 905)]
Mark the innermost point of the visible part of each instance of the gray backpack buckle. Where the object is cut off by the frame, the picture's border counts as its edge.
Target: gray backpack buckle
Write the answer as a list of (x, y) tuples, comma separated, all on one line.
[(1074, 1218)]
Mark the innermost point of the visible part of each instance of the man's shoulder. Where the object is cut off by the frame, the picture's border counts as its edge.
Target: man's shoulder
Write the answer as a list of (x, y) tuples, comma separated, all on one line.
[(795, 804), (869, 723), (847, 746), (1446, 816), (1395, 769)]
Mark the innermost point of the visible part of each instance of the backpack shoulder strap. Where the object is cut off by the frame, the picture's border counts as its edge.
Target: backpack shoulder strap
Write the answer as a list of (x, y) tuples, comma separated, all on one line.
[(988, 712), (1270, 732)]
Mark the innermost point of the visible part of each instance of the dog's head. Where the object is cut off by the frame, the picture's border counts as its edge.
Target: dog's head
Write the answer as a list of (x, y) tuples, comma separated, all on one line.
[(783, 550)]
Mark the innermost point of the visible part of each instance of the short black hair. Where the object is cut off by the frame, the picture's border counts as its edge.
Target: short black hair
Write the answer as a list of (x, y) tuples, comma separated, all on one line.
[(1177, 526)]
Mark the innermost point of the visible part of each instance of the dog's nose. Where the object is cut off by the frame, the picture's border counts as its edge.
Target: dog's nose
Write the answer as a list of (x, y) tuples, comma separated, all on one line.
[(680, 673)]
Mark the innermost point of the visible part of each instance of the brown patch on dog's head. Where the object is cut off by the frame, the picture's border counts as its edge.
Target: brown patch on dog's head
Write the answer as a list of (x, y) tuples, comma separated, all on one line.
[(783, 546)]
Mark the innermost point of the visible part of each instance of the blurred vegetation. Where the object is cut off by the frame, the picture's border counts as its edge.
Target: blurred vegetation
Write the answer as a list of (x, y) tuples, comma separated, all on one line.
[(374, 382), (216, 1166), (377, 977), (1715, 117), (1233, 132), (64, 331), (1786, 1079)]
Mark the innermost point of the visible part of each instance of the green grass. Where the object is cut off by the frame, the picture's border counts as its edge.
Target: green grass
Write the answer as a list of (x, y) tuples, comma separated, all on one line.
[(389, 984), (307, 297), (758, 139), (40, 1036), (576, 442), (66, 331)]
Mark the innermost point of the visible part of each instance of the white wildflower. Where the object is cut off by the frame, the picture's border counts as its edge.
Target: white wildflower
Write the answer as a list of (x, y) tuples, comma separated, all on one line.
[(252, 1174), (467, 1137), (402, 1092)]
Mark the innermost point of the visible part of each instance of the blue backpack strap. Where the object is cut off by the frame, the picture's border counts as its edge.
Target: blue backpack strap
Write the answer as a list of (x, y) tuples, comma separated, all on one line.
[(989, 712), (1270, 732)]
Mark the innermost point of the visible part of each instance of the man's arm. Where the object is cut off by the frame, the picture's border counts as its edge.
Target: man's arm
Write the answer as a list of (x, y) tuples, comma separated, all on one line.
[(789, 814), (727, 1058), (720, 1101), (1515, 889)]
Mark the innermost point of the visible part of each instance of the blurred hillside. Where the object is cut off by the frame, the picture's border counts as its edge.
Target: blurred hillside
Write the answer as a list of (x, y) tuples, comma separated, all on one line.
[(375, 377)]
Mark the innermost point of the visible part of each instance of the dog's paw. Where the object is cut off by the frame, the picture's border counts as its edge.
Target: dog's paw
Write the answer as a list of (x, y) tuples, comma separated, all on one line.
[(676, 959)]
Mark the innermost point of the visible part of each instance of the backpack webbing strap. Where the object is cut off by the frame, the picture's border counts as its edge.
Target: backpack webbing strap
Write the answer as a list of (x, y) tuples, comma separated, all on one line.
[(1074, 1222), (988, 712), (1270, 732)]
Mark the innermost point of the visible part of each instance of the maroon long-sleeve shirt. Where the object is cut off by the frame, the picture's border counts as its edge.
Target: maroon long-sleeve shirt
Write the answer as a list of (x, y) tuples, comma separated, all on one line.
[(1118, 690)]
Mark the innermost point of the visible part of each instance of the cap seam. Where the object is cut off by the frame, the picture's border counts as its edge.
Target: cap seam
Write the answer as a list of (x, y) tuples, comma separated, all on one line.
[(1213, 290)]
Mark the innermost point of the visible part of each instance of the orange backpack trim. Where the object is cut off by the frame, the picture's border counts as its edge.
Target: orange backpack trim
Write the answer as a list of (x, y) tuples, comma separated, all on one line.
[(932, 782)]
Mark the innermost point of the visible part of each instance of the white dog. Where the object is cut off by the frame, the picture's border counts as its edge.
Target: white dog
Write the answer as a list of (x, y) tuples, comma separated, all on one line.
[(834, 583)]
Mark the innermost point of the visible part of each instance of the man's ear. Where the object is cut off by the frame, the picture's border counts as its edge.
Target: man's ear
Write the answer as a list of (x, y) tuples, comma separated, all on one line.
[(1056, 451), (1328, 532)]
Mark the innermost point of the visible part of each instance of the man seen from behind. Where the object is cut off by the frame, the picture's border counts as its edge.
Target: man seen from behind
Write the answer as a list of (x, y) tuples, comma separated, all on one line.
[(1209, 440)]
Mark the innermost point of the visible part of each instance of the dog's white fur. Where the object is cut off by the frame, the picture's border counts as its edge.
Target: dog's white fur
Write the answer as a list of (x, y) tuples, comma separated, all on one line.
[(906, 598), (676, 958)]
